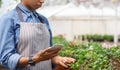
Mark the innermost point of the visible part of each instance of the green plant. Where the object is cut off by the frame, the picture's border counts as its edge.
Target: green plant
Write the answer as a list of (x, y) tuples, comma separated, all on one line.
[(60, 40), (0, 3), (92, 56), (89, 57), (108, 38), (98, 38)]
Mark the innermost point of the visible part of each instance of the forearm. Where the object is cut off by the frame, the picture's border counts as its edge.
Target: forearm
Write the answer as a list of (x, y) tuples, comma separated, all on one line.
[(54, 59), (23, 61)]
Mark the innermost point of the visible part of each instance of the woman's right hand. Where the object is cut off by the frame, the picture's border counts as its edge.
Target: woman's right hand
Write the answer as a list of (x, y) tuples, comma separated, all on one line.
[(44, 55)]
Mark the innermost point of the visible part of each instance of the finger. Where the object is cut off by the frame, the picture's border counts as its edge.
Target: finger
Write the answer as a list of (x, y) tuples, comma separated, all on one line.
[(53, 53), (62, 64), (71, 60), (50, 55), (68, 60), (42, 52), (47, 49)]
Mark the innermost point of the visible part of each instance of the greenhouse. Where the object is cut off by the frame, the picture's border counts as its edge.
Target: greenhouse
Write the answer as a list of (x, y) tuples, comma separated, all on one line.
[(89, 31)]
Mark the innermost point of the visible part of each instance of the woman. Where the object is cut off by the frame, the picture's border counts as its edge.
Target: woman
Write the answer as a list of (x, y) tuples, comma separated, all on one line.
[(25, 37)]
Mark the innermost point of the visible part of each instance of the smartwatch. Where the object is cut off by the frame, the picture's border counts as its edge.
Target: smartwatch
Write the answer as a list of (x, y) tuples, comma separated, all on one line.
[(31, 62)]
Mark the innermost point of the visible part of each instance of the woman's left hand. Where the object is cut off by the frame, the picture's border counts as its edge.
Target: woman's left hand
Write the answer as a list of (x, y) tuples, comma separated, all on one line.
[(62, 61)]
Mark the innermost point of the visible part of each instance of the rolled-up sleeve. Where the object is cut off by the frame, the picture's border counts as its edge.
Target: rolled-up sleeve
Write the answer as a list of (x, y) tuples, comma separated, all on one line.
[(8, 54), (13, 60)]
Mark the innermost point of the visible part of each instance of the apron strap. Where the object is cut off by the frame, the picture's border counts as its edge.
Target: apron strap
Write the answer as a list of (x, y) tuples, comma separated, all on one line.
[(39, 17), (19, 14), (21, 17)]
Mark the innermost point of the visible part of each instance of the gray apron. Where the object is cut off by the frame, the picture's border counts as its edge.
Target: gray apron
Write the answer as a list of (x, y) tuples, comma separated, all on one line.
[(33, 38)]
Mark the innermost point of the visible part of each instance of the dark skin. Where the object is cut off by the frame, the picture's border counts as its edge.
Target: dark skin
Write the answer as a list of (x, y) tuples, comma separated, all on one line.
[(32, 4), (43, 55)]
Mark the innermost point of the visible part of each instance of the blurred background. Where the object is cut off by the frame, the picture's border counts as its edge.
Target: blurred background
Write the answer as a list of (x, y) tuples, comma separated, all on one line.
[(85, 27), (75, 18)]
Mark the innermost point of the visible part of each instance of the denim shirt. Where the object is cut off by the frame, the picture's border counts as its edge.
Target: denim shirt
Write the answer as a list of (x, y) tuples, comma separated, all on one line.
[(9, 34)]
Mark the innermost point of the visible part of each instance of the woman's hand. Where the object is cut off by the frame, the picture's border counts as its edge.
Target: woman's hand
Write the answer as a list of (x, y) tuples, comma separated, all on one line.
[(44, 55), (40, 56), (62, 61)]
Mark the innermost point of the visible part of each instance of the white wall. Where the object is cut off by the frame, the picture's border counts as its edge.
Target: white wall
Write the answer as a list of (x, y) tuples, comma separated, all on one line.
[(84, 25), (7, 5)]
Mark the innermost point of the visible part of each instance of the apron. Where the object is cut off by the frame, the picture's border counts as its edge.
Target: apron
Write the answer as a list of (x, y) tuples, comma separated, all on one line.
[(33, 38)]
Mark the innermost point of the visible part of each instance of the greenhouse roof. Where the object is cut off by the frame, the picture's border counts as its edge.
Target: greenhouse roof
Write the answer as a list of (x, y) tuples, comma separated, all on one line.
[(72, 10)]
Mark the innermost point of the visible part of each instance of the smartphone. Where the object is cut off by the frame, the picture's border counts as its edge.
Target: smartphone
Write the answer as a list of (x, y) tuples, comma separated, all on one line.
[(56, 47)]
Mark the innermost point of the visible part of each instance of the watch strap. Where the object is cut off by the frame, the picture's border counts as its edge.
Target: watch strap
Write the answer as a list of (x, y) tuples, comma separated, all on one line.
[(31, 62)]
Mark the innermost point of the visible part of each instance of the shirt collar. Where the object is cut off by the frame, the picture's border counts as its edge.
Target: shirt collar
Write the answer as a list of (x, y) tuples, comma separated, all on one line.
[(25, 10)]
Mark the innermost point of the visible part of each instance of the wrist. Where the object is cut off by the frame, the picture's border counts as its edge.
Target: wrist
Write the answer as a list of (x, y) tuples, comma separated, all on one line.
[(23, 61), (31, 62), (35, 59), (55, 59)]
